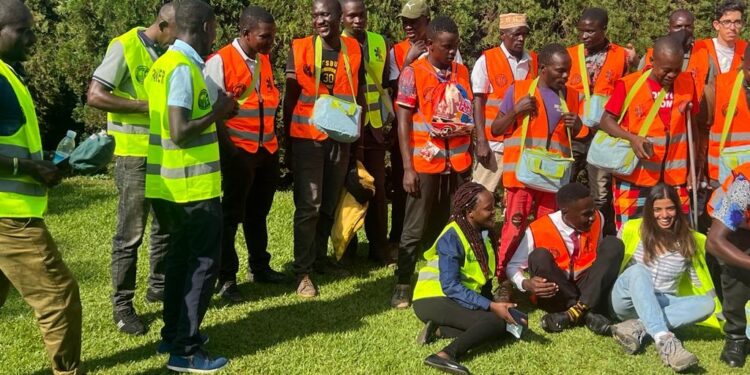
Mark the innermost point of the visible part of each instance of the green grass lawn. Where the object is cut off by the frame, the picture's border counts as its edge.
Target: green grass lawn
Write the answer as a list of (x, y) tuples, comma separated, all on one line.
[(349, 329)]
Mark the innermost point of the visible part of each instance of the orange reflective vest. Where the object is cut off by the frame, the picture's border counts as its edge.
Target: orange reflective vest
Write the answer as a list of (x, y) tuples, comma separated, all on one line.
[(705, 56), (538, 133), (453, 152), (246, 129), (669, 161), (400, 50), (739, 130), (500, 75), (547, 236), (304, 66), (718, 194), (614, 66)]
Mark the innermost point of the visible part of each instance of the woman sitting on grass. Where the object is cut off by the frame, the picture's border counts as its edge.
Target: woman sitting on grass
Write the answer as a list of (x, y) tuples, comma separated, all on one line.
[(451, 295), (665, 283)]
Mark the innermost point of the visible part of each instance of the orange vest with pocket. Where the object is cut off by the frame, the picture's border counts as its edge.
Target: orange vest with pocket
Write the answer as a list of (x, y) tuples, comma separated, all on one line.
[(705, 56), (547, 236), (739, 129)]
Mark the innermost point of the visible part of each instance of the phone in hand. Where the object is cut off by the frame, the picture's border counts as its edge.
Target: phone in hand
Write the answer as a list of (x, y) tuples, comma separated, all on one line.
[(521, 318), (649, 148)]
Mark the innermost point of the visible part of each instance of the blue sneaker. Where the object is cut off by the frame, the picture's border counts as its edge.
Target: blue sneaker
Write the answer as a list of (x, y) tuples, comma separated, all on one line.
[(166, 347), (198, 363)]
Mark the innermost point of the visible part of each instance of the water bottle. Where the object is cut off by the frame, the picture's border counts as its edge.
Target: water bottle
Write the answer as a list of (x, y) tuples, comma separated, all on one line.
[(65, 147)]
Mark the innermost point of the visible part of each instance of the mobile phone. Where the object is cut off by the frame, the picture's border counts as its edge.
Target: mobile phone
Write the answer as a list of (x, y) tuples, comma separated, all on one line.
[(520, 317), (649, 148)]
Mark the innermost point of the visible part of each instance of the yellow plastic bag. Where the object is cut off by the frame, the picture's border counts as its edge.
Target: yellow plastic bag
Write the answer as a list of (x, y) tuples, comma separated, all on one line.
[(350, 214)]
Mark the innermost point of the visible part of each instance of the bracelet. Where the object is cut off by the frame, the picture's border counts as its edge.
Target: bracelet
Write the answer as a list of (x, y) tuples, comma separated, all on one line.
[(15, 166)]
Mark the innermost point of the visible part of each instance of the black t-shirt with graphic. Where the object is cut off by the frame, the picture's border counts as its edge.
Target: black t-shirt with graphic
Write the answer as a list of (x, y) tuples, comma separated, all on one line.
[(329, 65)]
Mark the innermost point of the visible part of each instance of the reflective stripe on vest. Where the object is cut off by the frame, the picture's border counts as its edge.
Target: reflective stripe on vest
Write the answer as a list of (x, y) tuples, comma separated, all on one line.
[(187, 173), (375, 60), (738, 133), (130, 130), (21, 196), (244, 129), (538, 133), (669, 161), (500, 76), (457, 148), (631, 237), (472, 277), (547, 236), (303, 51)]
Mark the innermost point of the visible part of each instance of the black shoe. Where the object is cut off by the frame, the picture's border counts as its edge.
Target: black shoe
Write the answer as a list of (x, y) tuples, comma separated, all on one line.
[(230, 292), (154, 296), (427, 334), (598, 323), (128, 321), (556, 322), (268, 276), (447, 365), (734, 352)]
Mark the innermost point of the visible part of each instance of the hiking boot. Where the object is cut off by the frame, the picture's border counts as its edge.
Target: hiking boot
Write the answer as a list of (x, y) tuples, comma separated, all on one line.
[(446, 365), (128, 321), (268, 276), (734, 352), (427, 334), (504, 292), (305, 287), (199, 363), (597, 323), (166, 346), (401, 298), (674, 355), (556, 322), (630, 334), (230, 292)]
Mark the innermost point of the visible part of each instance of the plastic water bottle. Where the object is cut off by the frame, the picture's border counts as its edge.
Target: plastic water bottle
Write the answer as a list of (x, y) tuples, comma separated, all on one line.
[(65, 147)]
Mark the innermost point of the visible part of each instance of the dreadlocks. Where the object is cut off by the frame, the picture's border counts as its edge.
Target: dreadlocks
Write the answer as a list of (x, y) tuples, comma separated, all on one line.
[(464, 200)]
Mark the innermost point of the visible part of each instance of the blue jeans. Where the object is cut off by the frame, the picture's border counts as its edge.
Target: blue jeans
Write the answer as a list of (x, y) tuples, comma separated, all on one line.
[(634, 297)]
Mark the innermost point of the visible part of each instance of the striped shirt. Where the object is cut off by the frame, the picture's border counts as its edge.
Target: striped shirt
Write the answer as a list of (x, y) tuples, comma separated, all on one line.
[(666, 269)]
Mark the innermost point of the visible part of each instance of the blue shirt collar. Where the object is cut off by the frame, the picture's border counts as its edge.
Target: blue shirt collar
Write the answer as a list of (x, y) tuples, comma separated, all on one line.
[(188, 51)]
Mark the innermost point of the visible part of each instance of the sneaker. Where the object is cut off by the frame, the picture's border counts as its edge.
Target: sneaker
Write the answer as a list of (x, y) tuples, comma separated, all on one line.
[(198, 363), (128, 321), (401, 298), (674, 355), (556, 322), (230, 292), (427, 334), (597, 323), (154, 296), (630, 334), (305, 287), (165, 347), (268, 276), (446, 365)]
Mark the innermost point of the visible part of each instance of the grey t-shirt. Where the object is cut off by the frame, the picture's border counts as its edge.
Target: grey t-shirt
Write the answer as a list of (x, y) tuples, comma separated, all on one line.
[(113, 70)]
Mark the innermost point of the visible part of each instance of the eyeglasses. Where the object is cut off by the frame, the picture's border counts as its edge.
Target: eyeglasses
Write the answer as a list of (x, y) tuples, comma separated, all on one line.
[(737, 23)]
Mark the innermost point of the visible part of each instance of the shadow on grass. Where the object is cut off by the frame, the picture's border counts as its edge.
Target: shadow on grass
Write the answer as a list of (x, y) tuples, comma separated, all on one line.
[(259, 330), (76, 196)]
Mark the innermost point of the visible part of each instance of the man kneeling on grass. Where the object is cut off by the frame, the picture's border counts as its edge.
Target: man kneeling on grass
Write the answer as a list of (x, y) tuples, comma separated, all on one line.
[(571, 268)]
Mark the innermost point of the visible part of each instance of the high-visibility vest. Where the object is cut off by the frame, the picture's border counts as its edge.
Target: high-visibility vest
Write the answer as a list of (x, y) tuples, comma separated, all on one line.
[(130, 130), (669, 161), (547, 236), (614, 66), (648, 64), (400, 50), (500, 75), (631, 237), (375, 58), (304, 65), (705, 57), (453, 152), (538, 132), (246, 130), (186, 173), (720, 193), (21, 196), (739, 129), (472, 277)]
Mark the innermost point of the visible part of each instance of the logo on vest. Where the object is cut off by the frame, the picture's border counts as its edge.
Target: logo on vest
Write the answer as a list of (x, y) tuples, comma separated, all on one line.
[(203, 101), (575, 79), (501, 80), (269, 84), (238, 89), (725, 110), (141, 72), (378, 54)]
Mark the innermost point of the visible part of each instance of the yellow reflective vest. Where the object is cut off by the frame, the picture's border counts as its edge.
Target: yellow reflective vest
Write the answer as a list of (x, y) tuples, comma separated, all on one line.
[(631, 236), (21, 196), (472, 277), (375, 58), (187, 173)]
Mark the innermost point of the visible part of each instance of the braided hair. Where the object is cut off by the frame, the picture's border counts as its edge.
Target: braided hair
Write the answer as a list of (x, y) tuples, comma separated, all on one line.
[(464, 200)]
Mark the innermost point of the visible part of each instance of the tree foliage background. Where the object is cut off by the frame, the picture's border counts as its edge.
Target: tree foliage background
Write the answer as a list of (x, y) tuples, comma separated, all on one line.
[(73, 36)]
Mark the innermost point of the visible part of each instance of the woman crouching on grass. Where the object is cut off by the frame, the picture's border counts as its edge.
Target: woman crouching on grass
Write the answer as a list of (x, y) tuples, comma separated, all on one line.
[(451, 295), (665, 283)]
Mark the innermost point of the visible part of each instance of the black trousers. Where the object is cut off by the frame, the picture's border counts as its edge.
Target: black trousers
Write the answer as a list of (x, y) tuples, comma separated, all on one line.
[(425, 218), (592, 288), (398, 197), (192, 253), (735, 283), (249, 182), (469, 328)]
